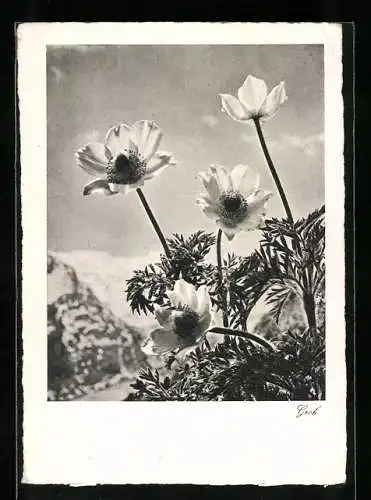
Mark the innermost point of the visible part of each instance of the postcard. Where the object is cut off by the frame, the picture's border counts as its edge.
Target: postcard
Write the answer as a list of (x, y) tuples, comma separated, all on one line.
[(183, 283)]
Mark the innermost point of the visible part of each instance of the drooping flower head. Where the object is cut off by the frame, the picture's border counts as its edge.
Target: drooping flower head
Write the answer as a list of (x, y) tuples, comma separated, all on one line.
[(126, 160), (184, 324), (233, 199), (254, 101)]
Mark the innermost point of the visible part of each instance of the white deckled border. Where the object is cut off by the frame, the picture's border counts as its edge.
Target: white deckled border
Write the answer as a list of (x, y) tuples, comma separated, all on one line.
[(201, 443)]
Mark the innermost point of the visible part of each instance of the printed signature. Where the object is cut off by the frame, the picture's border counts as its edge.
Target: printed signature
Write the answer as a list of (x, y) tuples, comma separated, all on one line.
[(307, 410)]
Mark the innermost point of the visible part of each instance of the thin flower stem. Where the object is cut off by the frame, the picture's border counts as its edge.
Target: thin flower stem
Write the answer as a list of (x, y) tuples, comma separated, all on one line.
[(308, 308), (318, 283), (245, 335), (273, 170), (155, 225), (220, 270)]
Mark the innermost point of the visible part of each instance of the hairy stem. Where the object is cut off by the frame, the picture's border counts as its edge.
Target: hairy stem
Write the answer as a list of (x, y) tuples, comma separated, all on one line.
[(318, 283), (243, 320), (154, 222), (245, 335), (310, 310), (273, 170), (220, 270), (309, 304)]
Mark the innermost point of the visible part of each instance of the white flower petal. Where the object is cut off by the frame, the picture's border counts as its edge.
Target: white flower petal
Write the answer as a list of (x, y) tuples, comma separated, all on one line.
[(211, 185), (159, 161), (204, 325), (245, 179), (99, 186), (256, 211), (229, 235), (211, 212), (118, 188), (135, 185), (117, 139), (174, 299), (252, 94), (209, 208), (254, 221), (203, 301), (258, 199), (161, 341), (204, 200), (222, 177), (186, 293), (228, 231), (234, 108), (163, 316), (274, 100), (93, 158), (146, 134)]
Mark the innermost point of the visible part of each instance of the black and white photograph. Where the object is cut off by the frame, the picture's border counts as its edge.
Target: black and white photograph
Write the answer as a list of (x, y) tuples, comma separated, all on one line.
[(189, 225)]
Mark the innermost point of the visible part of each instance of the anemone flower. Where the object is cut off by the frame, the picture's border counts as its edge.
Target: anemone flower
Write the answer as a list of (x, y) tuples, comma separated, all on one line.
[(233, 200), (253, 101), (128, 158), (184, 324)]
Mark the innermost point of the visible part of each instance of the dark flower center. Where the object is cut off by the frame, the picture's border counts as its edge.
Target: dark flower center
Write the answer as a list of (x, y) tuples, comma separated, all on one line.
[(126, 169), (233, 206), (185, 323)]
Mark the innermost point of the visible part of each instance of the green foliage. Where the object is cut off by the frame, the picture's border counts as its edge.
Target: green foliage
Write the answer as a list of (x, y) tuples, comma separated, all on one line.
[(288, 263), (148, 287), (239, 370), (296, 251), (290, 260)]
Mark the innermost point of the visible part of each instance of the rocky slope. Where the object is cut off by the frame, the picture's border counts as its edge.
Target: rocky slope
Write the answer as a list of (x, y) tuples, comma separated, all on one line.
[(89, 347), (93, 351)]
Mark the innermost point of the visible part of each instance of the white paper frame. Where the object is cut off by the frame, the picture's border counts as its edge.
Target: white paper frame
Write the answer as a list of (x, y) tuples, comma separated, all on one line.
[(201, 443)]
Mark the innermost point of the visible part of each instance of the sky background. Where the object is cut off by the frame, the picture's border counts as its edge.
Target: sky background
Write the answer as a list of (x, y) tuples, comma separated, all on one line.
[(91, 88)]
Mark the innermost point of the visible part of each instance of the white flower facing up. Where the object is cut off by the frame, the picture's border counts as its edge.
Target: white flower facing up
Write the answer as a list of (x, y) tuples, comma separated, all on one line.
[(254, 101), (128, 158), (184, 324), (233, 199)]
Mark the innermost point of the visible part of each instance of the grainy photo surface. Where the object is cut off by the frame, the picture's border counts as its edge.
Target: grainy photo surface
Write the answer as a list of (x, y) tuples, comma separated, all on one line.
[(183, 318), (185, 223)]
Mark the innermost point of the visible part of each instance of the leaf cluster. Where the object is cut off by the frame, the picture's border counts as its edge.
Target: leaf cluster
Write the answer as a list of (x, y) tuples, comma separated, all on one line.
[(238, 369), (148, 287), (289, 261)]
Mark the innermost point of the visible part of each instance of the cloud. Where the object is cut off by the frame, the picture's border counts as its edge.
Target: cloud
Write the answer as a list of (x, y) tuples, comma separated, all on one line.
[(62, 50), (92, 135), (249, 138), (82, 48), (210, 120), (95, 261), (58, 74), (107, 274), (307, 144)]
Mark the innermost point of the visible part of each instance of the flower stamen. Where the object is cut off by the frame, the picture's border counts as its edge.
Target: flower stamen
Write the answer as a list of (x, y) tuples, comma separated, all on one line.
[(126, 168), (233, 206), (185, 321)]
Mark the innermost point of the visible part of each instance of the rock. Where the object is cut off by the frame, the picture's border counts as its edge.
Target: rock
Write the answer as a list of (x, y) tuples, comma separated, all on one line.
[(266, 327), (87, 344), (293, 316)]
